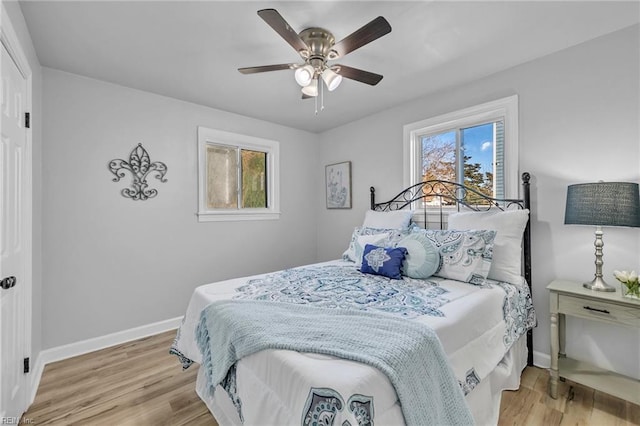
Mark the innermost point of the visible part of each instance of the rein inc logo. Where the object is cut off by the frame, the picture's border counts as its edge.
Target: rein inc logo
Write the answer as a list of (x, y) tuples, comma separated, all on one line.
[(16, 421)]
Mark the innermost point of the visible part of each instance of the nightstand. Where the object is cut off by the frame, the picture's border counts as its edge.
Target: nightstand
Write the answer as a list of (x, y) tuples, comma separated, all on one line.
[(570, 298)]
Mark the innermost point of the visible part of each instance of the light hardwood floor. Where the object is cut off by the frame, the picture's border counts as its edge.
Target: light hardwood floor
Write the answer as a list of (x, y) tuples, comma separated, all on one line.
[(139, 383), (136, 383)]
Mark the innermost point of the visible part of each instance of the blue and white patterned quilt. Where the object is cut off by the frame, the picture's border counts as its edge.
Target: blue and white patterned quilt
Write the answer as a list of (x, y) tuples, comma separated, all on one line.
[(339, 286), (476, 326)]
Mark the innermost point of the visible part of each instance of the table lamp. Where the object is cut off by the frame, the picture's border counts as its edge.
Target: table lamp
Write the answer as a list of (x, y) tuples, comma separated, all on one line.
[(602, 204)]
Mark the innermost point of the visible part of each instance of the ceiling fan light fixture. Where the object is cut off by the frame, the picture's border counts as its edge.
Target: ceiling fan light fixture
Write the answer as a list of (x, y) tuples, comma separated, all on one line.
[(331, 79), (311, 89), (304, 75), (316, 46)]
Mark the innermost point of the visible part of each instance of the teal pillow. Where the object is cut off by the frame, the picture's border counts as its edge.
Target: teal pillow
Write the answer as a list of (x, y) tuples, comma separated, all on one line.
[(422, 259)]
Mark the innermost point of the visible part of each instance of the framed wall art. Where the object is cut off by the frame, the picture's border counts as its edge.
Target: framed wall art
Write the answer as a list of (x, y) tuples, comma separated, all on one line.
[(338, 185)]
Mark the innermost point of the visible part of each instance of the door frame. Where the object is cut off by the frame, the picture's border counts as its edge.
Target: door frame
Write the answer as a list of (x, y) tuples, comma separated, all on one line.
[(11, 42)]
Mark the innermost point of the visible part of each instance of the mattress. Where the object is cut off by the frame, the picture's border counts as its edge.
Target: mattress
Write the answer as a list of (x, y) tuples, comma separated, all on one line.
[(478, 327)]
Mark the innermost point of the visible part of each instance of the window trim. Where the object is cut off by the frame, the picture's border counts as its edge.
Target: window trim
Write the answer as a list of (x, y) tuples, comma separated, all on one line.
[(272, 148), (504, 108)]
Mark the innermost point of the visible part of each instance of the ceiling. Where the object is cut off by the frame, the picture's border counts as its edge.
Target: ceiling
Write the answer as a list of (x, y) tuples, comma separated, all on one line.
[(191, 50)]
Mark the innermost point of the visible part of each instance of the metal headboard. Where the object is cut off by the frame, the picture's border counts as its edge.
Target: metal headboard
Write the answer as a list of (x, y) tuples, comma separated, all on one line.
[(442, 196)]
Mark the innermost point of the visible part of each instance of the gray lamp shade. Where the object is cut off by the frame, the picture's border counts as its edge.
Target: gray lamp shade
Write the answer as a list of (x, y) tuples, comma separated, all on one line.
[(603, 204)]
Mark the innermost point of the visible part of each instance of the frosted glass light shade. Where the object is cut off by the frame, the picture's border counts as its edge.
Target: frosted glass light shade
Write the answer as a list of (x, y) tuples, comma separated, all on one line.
[(304, 75), (331, 79), (311, 89)]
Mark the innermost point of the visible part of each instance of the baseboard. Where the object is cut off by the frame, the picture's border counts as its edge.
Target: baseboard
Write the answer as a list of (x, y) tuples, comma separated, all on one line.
[(542, 360), (85, 346)]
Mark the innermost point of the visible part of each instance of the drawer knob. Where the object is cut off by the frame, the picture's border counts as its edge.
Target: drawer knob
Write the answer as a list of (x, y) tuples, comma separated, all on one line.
[(603, 311)]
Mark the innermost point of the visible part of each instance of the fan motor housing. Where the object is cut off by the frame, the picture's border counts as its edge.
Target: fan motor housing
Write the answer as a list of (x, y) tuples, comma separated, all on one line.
[(320, 42)]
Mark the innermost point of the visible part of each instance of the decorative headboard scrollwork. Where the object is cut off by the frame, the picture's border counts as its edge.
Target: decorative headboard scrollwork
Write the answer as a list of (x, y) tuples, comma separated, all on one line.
[(439, 193)]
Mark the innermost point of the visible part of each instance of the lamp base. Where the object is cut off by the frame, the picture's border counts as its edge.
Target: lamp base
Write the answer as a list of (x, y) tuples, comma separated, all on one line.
[(598, 284)]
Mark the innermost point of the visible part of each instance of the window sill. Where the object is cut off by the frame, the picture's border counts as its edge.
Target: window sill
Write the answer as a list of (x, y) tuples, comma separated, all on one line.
[(237, 216)]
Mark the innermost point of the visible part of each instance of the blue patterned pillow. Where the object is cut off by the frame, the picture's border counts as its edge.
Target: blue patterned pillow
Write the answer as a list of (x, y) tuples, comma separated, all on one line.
[(383, 261), (464, 255)]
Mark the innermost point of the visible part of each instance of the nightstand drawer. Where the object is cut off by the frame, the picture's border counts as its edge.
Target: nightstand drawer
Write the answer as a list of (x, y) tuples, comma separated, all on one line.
[(598, 310)]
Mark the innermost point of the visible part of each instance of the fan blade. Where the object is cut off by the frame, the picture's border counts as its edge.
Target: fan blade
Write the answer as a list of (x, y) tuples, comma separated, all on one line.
[(265, 68), (277, 22), (368, 33), (358, 75)]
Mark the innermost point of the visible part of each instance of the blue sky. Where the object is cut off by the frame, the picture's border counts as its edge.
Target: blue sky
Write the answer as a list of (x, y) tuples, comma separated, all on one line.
[(478, 142)]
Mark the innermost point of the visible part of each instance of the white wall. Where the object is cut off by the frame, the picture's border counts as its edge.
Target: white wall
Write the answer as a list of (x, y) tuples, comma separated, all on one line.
[(112, 263), (579, 114)]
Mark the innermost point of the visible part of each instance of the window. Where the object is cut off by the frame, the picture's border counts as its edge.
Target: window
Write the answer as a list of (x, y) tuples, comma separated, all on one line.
[(469, 155), (238, 177), (477, 147)]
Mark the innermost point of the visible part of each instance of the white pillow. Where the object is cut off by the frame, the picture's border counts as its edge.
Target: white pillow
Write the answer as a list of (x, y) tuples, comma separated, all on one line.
[(390, 237), (363, 240), (396, 219), (507, 246)]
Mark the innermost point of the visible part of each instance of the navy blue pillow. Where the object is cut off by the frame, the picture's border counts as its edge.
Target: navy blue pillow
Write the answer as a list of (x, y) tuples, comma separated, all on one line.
[(383, 261)]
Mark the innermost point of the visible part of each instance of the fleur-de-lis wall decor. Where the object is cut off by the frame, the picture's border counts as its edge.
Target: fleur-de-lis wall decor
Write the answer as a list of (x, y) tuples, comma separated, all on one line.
[(140, 166)]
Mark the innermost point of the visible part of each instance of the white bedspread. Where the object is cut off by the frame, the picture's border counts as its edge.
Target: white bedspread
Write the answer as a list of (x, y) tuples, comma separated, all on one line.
[(476, 326)]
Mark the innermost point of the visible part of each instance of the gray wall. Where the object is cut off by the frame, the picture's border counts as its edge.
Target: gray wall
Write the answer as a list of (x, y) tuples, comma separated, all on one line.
[(112, 263), (17, 21), (579, 112)]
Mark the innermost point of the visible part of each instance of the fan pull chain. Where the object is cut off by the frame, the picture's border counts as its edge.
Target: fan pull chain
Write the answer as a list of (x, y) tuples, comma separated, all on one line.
[(320, 95), (315, 99)]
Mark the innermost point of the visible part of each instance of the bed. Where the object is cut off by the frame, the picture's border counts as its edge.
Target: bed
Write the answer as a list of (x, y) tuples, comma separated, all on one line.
[(426, 319)]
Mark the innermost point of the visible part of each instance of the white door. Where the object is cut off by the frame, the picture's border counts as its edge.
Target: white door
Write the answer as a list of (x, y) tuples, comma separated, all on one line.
[(14, 239)]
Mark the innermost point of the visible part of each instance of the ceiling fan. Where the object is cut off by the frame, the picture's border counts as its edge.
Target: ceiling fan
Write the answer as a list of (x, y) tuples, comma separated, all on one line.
[(317, 46)]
